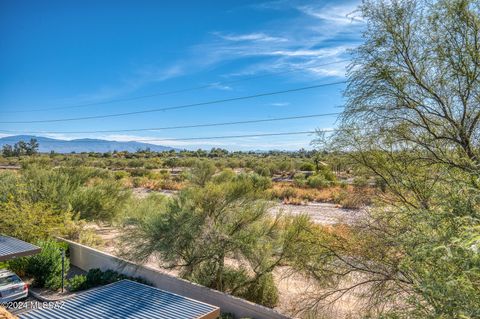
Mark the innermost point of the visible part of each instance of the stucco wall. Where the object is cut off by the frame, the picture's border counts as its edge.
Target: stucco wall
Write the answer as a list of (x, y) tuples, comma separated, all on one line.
[(86, 258)]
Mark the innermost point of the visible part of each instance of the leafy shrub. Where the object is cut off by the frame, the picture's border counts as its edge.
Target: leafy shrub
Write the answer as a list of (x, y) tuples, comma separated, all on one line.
[(202, 172), (118, 175), (317, 181), (307, 166), (263, 291), (299, 180), (17, 265), (136, 209), (30, 221), (96, 277), (77, 283), (263, 171), (77, 230), (46, 267), (287, 192), (101, 201)]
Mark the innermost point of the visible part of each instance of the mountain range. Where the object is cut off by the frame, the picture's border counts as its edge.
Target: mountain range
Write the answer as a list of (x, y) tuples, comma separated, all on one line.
[(82, 145)]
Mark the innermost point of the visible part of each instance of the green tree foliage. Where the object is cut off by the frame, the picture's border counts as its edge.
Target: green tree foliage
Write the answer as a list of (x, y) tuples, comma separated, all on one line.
[(40, 201), (220, 235), (101, 201), (201, 172), (412, 122), (21, 148), (30, 221)]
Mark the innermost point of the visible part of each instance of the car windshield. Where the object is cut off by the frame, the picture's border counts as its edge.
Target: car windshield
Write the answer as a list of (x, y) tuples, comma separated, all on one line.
[(9, 280)]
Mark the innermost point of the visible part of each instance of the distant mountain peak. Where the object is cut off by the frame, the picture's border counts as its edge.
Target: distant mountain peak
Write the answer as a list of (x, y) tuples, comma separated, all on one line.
[(47, 144)]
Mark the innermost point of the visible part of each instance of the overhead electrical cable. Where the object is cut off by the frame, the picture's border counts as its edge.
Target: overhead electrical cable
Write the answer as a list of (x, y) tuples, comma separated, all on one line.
[(180, 126), (199, 87), (169, 108)]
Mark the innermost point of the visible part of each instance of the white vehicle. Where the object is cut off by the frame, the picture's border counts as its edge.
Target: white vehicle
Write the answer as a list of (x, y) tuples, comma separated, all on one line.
[(11, 287)]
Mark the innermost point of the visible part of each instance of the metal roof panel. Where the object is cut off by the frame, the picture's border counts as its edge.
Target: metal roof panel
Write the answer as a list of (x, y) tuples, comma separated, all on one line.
[(11, 248), (127, 299)]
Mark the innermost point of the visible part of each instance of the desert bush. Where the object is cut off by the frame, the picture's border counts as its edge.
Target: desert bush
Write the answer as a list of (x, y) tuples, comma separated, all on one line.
[(97, 277), (194, 228), (118, 175), (307, 166), (46, 267), (101, 201), (353, 198), (76, 230), (202, 172), (141, 208), (263, 171), (299, 180), (30, 221), (77, 283), (317, 181), (8, 185), (262, 291)]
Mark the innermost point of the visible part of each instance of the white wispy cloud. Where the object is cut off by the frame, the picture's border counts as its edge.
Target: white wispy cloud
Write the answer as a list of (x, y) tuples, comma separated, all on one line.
[(128, 83), (343, 14), (280, 104), (260, 37), (312, 36)]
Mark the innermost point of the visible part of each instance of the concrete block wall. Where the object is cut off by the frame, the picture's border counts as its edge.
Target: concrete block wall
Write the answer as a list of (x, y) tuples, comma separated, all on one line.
[(86, 258)]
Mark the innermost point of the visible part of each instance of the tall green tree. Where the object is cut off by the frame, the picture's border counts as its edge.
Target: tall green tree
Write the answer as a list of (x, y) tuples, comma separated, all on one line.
[(219, 234), (412, 121)]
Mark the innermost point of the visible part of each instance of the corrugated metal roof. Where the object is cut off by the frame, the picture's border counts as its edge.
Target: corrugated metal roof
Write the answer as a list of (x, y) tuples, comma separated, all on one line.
[(127, 299), (11, 248)]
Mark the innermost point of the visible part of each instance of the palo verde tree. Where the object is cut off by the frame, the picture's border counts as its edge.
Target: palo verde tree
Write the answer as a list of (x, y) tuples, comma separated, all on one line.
[(219, 233), (412, 121)]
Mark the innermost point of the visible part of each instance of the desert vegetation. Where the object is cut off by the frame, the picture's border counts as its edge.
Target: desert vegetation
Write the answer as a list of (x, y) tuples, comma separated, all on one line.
[(407, 152)]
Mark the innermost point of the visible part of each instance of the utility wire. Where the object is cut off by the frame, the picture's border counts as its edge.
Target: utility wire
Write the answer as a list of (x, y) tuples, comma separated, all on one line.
[(180, 126), (194, 88), (179, 106)]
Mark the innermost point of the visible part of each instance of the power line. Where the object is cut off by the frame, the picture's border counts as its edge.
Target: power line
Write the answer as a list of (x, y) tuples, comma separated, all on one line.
[(179, 106), (194, 88), (181, 126)]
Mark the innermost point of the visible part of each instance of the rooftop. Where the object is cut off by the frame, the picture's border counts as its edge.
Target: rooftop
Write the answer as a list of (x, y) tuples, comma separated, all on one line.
[(11, 248), (127, 299)]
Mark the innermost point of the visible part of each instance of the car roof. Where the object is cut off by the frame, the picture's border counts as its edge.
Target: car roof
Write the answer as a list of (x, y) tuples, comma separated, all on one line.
[(6, 273)]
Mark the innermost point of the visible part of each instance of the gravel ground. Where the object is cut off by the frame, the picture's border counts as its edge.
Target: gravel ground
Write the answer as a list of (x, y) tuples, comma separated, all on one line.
[(322, 213)]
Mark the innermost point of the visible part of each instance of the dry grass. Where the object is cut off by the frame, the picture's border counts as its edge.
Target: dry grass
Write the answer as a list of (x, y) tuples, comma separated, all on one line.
[(347, 196)]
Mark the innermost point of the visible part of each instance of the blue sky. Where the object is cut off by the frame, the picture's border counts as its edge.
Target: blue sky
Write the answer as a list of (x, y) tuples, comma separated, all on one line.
[(68, 53)]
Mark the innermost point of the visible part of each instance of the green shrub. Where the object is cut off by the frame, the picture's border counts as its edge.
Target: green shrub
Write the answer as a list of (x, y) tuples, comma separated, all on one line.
[(46, 267), (327, 173), (118, 175), (263, 171), (96, 277), (140, 208), (307, 166), (288, 192), (77, 283), (263, 291), (101, 201), (317, 181), (299, 180), (202, 172), (18, 266)]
